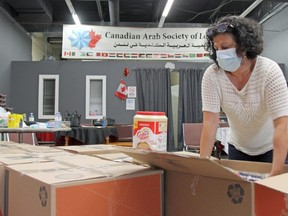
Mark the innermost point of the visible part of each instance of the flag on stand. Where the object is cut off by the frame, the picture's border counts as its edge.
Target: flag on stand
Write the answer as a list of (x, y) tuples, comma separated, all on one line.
[(121, 91)]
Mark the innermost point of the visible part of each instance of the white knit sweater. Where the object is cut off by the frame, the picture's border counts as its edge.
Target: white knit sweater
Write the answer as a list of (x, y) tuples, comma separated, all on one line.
[(251, 111)]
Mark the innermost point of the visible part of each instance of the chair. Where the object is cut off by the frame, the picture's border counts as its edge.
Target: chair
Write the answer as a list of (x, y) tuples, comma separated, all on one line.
[(124, 135), (125, 132), (191, 136)]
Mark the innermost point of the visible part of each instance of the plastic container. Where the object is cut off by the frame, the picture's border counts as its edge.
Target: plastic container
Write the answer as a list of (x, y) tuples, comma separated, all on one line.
[(31, 117), (15, 120), (4, 117), (150, 131), (58, 120)]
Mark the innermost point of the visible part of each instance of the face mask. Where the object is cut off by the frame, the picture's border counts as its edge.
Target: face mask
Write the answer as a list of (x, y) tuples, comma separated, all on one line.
[(228, 59)]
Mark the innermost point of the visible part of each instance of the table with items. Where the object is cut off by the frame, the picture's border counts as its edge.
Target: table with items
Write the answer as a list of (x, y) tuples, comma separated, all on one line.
[(89, 134), (21, 131)]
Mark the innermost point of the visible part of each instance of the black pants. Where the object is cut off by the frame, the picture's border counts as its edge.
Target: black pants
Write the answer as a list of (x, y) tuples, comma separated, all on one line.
[(235, 154)]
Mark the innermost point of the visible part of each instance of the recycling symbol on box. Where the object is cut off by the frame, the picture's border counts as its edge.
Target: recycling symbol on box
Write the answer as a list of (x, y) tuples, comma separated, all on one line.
[(43, 195), (236, 193)]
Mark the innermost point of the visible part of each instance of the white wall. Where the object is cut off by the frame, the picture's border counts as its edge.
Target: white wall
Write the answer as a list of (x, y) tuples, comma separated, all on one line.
[(15, 46)]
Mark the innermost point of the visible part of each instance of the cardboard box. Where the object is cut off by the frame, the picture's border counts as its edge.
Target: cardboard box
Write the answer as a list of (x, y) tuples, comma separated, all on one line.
[(271, 196), (95, 164), (14, 153), (10, 149), (26, 153), (2, 189), (21, 158), (202, 186), (107, 188), (39, 149), (89, 149), (15, 148)]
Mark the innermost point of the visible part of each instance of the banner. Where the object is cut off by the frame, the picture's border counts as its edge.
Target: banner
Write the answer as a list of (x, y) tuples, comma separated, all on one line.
[(98, 42)]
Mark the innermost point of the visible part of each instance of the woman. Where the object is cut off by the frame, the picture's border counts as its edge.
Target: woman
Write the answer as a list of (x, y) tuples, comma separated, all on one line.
[(250, 89)]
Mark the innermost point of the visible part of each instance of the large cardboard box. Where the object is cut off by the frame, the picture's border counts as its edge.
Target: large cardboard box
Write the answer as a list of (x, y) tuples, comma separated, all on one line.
[(2, 189), (102, 188), (20, 158), (14, 153), (201, 186), (271, 196)]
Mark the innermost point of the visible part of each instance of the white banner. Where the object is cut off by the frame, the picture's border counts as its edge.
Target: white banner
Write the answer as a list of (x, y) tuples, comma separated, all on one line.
[(98, 42)]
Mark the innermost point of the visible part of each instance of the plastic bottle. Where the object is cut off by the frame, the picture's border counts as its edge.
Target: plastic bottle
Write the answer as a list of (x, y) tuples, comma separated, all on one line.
[(104, 122), (58, 120), (31, 117)]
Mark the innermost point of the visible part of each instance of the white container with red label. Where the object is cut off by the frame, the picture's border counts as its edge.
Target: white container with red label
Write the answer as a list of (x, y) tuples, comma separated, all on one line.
[(150, 131)]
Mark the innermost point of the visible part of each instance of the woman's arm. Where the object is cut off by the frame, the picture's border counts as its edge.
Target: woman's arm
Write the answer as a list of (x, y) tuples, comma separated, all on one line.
[(210, 125), (280, 141)]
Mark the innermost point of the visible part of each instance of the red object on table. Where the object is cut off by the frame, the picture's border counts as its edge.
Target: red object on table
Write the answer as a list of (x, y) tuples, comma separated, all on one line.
[(46, 137)]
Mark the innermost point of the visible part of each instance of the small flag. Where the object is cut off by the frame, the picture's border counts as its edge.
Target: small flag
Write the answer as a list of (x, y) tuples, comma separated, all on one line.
[(121, 91), (119, 55), (112, 55)]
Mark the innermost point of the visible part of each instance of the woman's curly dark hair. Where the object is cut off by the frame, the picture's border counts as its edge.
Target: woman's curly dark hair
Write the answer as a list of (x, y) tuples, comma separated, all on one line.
[(247, 33)]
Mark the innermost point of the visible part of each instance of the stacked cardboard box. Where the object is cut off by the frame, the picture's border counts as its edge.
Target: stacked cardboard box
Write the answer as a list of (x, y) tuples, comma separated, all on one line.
[(50, 181), (84, 185), (201, 186), (12, 153)]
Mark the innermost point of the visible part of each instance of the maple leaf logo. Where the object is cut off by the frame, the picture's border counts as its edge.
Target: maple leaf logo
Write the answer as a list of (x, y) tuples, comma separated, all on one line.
[(94, 39), (123, 89)]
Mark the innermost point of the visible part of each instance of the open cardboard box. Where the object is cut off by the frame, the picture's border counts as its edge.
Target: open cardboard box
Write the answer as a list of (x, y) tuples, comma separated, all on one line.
[(202, 186), (83, 185), (271, 196)]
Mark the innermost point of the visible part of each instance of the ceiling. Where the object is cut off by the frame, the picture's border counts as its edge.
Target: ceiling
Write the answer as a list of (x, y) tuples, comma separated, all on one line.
[(48, 16)]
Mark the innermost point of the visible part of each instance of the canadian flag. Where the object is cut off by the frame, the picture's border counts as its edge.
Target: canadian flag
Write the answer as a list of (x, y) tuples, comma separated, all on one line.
[(121, 91)]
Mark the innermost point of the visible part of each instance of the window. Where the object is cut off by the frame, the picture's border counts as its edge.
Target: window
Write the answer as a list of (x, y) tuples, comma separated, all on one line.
[(95, 97), (48, 98)]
